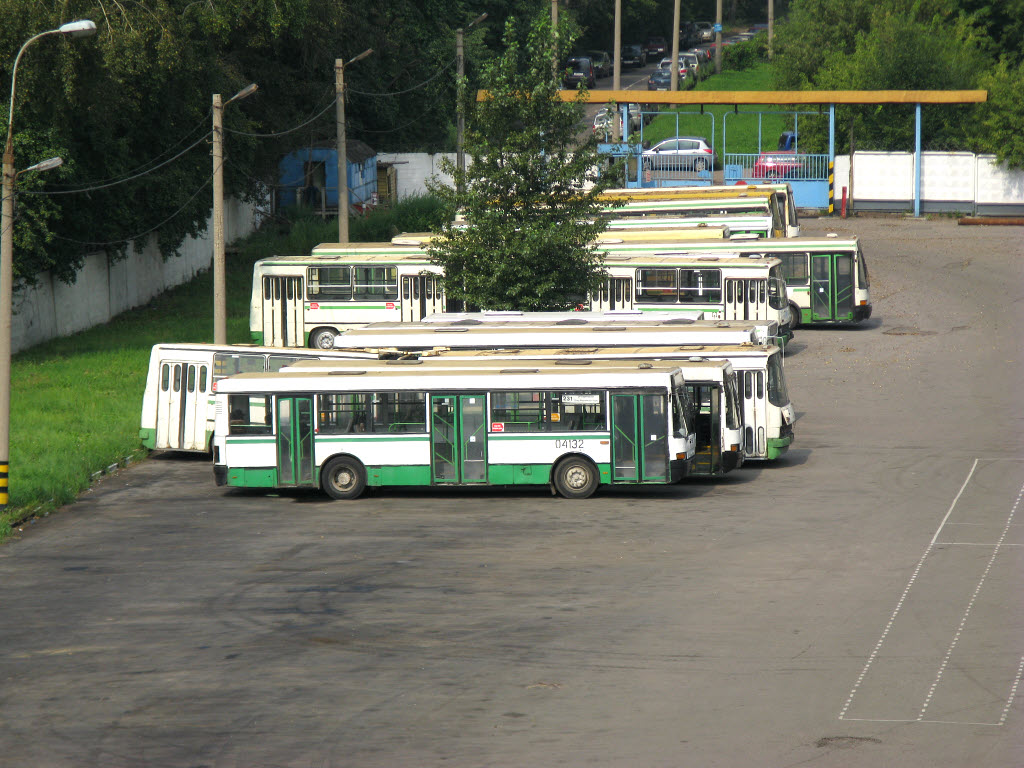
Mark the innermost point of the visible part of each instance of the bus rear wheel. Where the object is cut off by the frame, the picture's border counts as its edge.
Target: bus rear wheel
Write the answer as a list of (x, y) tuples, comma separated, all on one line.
[(322, 338), (575, 478), (343, 478)]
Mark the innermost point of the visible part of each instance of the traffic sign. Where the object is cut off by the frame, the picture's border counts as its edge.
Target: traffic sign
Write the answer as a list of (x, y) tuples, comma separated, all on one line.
[(718, 27)]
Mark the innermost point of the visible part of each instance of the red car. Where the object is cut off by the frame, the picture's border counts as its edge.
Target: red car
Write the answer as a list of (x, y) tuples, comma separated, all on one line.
[(783, 162), (771, 165)]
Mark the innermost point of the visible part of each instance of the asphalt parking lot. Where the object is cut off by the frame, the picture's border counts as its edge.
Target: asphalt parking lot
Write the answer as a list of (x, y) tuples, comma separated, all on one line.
[(856, 603)]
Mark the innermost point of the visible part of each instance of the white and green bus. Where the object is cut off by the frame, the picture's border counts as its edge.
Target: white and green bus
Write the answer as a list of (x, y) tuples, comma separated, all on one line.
[(768, 414), (756, 332), (384, 425), (178, 405), (782, 192), (716, 413), (755, 213), (826, 278), (307, 300)]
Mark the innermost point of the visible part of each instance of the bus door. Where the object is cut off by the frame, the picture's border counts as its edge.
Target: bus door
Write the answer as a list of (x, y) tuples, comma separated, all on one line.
[(832, 286), (616, 293), (755, 414), (458, 438), (294, 429), (181, 406), (283, 312), (746, 298), (640, 438), (706, 400), (421, 296)]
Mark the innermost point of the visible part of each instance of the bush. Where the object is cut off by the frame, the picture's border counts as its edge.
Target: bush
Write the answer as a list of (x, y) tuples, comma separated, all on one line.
[(747, 54)]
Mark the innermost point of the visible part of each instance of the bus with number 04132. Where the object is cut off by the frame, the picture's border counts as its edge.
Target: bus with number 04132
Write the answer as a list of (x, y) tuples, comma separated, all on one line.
[(575, 428), (716, 414)]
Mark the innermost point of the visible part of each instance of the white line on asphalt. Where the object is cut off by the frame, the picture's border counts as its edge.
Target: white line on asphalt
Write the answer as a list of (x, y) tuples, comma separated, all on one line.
[(903, 597), (970, 604)]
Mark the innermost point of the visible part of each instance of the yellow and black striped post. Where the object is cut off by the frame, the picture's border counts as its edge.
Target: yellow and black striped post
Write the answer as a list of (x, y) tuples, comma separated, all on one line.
[(3, 486), (831, 188)]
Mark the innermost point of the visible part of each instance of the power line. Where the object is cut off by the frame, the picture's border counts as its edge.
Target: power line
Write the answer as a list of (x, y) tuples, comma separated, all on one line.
[(46, 193), (149, 231), (135, 172), (434, 76)]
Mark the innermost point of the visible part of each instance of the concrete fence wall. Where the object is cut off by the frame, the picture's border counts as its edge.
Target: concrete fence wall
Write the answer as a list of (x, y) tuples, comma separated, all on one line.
[(412, 169), (959, 182), (104, 289)]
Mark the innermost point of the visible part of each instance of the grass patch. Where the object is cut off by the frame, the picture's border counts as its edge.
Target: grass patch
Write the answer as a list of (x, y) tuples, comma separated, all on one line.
[(741, 131), (75, 401)]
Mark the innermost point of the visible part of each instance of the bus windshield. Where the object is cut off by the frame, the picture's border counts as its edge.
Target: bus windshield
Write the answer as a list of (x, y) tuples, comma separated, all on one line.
[(777, 394)]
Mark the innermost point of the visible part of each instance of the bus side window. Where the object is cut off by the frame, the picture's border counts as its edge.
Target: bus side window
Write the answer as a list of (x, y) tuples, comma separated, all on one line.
[(249, 415), (165, 377)]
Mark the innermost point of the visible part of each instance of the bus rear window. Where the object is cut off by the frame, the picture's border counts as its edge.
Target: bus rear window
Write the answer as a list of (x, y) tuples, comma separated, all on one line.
[(249, 415)]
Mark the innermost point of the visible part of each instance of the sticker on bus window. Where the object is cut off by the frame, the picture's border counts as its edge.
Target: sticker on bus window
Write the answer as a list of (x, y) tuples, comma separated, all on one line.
[(556, 416), (569, 399), (497, 426)]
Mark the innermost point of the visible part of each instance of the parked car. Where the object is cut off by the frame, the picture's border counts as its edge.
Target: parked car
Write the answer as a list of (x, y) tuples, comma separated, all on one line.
[(634, 55), (680, 153), (602, 63), (687, 79), (694, 63), (603, 121), (782, 163), (688, 34), (655, 46), (706, 30), (661, 80), (579, 69)]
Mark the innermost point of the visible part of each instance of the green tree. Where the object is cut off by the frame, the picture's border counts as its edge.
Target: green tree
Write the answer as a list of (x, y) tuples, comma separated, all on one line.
[(527, 243), (996, 126)]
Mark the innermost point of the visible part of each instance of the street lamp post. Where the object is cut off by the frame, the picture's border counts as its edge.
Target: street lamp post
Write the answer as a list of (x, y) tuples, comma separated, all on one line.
[(460, 124), (82, 28), (339, 90), (220, 312)]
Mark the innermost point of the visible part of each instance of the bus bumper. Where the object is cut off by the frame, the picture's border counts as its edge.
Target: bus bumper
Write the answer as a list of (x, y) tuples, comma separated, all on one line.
[(731, 460), (220, 474), (862, 312), (679, 469)]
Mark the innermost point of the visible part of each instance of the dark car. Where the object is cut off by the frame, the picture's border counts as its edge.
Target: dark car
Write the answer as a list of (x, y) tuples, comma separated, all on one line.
[(634, 55), (602, 63), (660, 80), (655, 47), (579, 69)]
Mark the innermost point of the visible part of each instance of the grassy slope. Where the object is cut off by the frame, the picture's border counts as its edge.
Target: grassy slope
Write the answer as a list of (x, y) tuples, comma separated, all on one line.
[(741, 129), (75, 400)]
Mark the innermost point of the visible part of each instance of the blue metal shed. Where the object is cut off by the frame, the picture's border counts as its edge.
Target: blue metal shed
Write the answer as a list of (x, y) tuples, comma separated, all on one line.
[(310, 176)]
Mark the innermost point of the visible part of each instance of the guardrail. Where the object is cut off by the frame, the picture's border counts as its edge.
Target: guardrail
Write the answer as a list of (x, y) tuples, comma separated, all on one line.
[(776, 165)]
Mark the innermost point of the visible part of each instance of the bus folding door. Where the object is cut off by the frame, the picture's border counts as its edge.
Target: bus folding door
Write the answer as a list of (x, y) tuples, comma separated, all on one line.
[(639, 438), (707, 460), (294, 421), (832, 286), (181, 406), (283, 307), (615, 294), (746, 298), (755, 417), (458, 438), (421, 295)]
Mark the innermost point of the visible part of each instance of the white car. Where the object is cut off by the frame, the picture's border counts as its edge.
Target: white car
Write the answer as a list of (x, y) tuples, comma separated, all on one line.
[(603, 121), (680, 153)]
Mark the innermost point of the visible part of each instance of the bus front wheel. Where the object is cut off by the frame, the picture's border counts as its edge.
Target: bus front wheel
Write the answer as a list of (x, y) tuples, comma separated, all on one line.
[(322, 338), (343, 478), (575, 478)]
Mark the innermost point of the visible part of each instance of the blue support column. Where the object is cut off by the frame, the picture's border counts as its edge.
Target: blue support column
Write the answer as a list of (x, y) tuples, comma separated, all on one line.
[(917, 160)]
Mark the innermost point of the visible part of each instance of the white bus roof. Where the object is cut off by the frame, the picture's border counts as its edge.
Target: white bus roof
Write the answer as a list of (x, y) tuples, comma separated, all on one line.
[(520, 334), (379, 375)]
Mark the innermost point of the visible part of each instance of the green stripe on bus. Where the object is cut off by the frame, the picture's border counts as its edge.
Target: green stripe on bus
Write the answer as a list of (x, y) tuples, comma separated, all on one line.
[(372, 439), (553, 435), (350, 306)]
